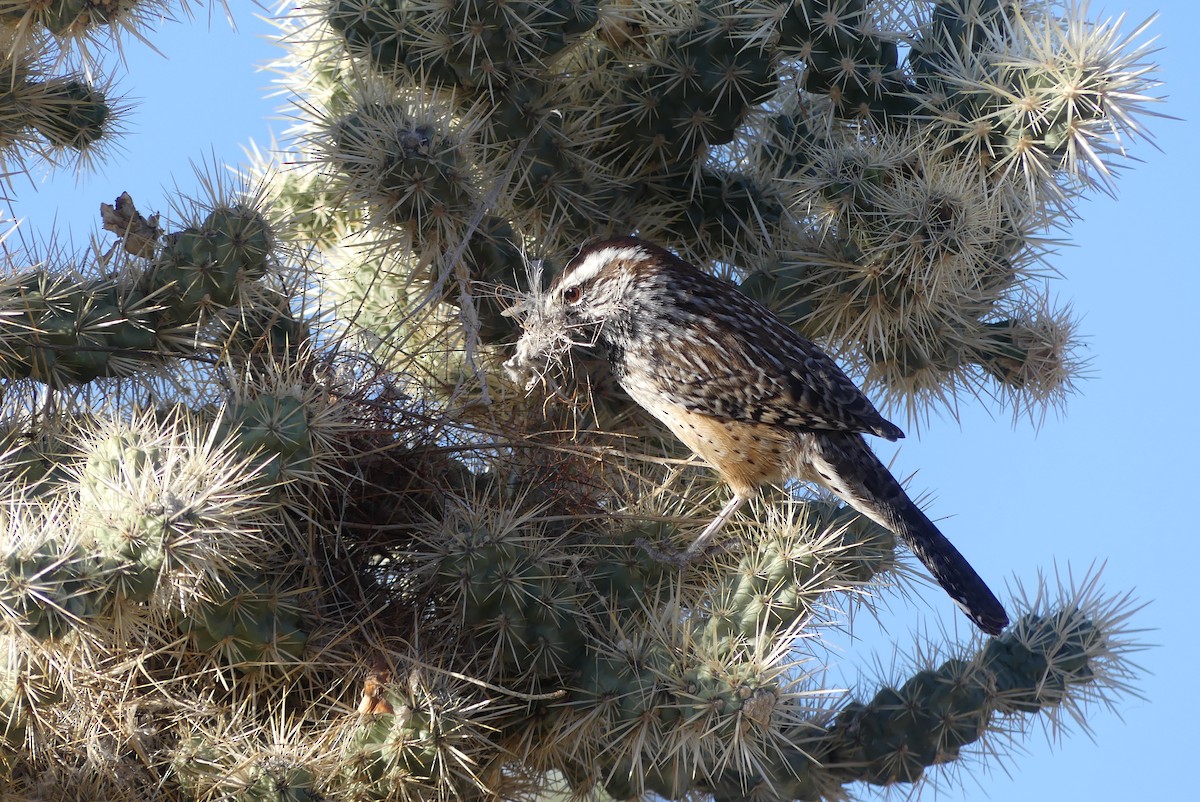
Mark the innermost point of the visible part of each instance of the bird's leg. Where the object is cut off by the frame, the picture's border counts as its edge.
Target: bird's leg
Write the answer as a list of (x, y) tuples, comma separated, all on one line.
[(715, 526), (681, 559)]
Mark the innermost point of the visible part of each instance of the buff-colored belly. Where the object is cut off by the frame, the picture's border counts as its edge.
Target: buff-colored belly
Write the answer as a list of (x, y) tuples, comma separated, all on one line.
[(746, 455)]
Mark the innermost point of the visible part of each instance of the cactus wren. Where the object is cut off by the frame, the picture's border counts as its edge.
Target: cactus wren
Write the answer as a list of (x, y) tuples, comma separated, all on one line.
[(740, 388)]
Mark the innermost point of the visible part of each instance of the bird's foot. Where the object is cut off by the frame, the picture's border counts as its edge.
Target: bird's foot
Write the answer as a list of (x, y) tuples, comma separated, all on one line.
[(680, 558)]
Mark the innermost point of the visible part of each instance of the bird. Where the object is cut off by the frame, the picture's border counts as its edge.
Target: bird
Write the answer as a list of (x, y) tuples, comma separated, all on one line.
[(739, 387)]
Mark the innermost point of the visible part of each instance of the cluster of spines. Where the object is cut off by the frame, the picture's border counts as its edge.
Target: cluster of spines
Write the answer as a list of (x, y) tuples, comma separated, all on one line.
[(523, 612), (64, 329), (668, 682), (63, 17), (924, 262), (938, 712), (55, 114), (253, 622), (846, 59), (814, 547), (165, 539), (477, 46), (161, 512)]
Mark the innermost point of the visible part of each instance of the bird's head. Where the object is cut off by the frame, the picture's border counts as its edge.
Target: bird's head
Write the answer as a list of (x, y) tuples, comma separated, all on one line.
[(595, 290)]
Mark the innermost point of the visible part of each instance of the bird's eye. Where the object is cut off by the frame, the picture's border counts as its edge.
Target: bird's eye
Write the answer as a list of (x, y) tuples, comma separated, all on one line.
[(572, 294)]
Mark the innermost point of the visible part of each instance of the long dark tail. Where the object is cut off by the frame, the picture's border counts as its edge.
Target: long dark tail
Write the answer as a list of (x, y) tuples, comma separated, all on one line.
[(847, 466)]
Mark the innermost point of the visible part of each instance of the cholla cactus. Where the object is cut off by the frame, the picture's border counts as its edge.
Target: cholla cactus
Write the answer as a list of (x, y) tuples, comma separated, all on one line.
[(56, 106), (276, 525)]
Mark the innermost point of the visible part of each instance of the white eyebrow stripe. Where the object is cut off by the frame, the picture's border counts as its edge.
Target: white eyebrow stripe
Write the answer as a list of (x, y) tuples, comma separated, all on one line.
[(595, 261)]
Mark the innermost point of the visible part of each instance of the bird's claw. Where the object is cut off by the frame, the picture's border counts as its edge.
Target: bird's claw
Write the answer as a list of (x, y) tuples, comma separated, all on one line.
[(679, 558)]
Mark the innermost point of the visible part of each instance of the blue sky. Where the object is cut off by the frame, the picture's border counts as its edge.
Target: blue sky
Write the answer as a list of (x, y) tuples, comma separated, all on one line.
[(1110, 481)]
